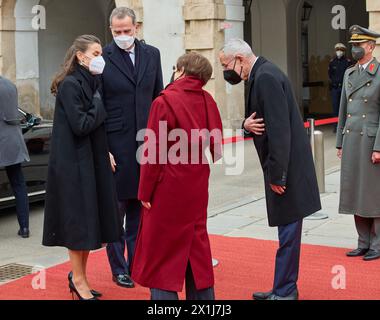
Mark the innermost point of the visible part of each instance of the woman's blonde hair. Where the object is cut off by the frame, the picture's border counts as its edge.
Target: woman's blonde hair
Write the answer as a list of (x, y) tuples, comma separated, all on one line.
[(81, 44)]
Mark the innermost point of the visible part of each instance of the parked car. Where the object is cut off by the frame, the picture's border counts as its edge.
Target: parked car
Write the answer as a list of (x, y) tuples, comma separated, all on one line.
[(37, 136)]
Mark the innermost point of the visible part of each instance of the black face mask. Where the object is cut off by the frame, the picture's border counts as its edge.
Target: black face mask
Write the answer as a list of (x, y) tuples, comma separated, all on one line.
[(232, 77), (358, 53), (172, 80)]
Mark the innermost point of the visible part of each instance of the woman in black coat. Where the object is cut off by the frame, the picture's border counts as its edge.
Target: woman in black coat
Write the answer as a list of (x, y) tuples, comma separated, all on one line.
[(81, 207)]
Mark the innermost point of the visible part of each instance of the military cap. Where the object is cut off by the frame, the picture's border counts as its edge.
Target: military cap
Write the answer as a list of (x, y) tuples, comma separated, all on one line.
[(360, 34)]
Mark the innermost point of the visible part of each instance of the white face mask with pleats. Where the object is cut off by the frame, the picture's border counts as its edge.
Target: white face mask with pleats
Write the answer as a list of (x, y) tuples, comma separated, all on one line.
[(124, 42), (340, 54), (97, 65)]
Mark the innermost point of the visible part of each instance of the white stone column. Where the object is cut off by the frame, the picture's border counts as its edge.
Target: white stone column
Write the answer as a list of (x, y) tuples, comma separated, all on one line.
[(373, 7), (7, 40), (205, 33), (26, 56)]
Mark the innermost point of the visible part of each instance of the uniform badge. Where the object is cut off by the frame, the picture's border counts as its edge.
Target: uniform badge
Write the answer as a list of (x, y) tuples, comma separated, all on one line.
[(372, 67)]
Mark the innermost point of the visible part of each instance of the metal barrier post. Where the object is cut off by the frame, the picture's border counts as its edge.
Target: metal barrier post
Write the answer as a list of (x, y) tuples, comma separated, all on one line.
[(319, 159), (311, 135)]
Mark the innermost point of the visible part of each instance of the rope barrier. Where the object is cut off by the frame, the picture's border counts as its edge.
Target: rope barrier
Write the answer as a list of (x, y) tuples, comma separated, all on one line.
[(318, 123)]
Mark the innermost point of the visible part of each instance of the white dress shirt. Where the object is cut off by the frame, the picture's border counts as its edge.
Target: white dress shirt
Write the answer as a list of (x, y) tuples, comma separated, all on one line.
[(364, 66)]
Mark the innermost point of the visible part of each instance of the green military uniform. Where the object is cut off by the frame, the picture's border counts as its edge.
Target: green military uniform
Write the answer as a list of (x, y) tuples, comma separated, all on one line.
[(359, 136)]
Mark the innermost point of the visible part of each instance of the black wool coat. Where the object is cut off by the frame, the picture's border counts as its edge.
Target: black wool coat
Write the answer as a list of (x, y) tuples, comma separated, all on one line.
[(284, 150), (81, 205), (128, 96)]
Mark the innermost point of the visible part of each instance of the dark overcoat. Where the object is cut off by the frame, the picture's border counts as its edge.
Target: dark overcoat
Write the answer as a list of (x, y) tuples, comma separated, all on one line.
[(174, 231), (284, 149), (81, 204), (128, 96)]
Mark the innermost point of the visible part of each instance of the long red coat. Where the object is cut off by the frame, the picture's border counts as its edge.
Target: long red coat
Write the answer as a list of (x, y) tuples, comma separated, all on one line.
[(174, 231)]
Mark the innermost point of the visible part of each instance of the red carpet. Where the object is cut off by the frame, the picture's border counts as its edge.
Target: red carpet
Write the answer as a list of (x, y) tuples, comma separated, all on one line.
[(246, 265)]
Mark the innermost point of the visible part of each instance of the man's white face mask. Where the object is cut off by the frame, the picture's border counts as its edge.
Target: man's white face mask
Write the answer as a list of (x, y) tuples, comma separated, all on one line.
[(124, 42)]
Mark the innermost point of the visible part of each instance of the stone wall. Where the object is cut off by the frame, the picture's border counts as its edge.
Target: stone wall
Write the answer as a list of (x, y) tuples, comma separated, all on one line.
[(373, 7)]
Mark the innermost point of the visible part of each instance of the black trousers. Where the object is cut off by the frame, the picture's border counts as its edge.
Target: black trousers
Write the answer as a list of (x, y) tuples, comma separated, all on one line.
[(191, 291), (17, 181), (130, 210)]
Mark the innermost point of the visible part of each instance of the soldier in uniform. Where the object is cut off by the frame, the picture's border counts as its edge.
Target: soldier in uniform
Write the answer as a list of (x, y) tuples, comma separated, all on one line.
[(358, 143), (337, 67)]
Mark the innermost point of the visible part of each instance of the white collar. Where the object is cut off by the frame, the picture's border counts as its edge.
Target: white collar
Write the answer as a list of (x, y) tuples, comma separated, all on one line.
[(249, 77), (131, 51), (364, 66)]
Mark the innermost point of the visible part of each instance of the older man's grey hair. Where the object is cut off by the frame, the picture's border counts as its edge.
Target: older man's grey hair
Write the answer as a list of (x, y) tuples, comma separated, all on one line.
[(121, 13), (234, 47)]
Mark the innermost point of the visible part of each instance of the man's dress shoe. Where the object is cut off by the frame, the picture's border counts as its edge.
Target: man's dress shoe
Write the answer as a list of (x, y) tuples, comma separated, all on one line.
[(24, 233), (261, 295), (293, 296), (123, 280), (357, 252), (372, 255)]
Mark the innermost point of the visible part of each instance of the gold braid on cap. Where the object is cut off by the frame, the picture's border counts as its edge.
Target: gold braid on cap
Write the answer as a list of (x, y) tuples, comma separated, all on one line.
[(362, 37)]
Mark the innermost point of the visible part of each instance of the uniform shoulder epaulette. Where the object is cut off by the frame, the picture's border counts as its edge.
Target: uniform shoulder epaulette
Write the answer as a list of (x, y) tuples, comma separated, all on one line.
[(349, 69)]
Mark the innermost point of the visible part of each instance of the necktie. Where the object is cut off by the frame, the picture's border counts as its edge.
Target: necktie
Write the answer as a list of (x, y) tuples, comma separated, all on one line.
[(361, 69), (129, 54), (128, 61)]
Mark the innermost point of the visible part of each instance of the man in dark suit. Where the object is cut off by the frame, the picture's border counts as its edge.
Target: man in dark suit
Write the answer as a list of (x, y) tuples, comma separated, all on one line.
[(132, 79), (285, 154)]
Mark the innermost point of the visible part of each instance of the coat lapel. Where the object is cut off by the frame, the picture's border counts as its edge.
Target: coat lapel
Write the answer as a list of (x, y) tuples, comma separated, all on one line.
[(357, 81), (117, 59), (142, 60), (84, 84)]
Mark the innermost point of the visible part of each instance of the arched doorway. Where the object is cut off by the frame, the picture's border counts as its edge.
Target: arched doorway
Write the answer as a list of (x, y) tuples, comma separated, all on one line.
[(317, 49), (302, 49), (30, 57), (65, 21)]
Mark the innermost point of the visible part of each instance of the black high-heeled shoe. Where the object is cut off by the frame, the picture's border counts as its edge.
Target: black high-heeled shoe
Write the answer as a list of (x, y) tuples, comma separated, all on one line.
[(74, 290), (95, 293)]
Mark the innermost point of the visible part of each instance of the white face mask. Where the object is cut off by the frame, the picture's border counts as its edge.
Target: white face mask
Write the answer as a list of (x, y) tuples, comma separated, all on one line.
[(97, 65), (339, 54), (124, 42)]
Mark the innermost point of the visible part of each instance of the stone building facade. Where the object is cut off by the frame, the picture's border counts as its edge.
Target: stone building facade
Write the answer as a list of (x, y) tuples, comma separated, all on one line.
[(30, 56)]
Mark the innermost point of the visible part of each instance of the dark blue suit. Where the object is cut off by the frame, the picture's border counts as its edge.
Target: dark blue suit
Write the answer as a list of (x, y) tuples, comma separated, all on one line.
[(337, 69), (128, 92)]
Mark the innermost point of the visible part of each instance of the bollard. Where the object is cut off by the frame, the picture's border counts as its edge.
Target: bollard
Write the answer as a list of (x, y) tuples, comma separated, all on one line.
[(311, 131), (319, 159)]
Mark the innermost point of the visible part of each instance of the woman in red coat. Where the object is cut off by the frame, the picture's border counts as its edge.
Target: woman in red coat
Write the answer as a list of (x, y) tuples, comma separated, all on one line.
[(173, 243)]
